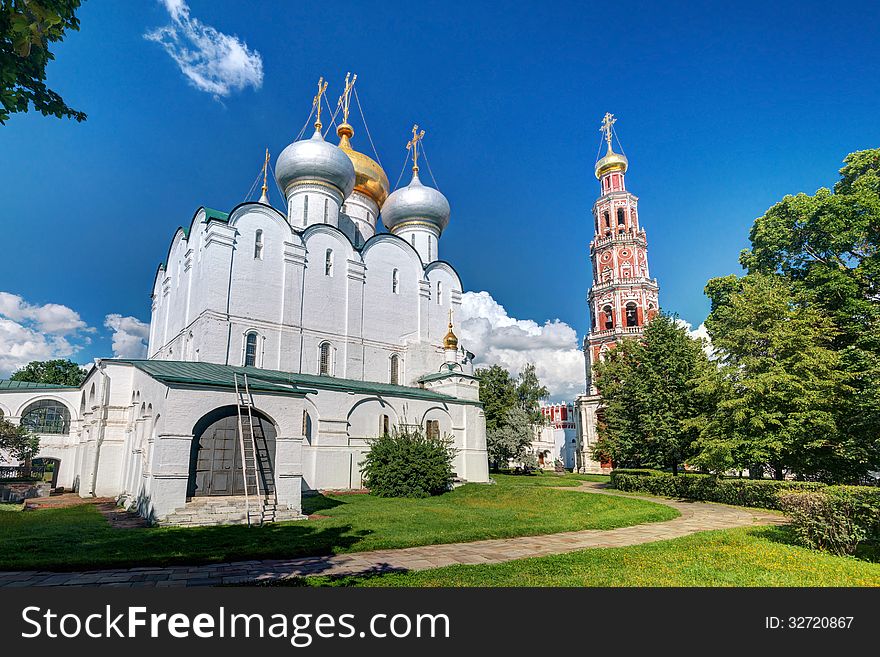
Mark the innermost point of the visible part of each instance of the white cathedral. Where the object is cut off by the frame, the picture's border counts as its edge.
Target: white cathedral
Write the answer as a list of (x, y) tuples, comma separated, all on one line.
[(281, 341)]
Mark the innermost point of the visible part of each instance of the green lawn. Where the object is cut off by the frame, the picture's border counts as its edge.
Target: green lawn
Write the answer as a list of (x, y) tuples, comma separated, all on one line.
[(549, 479), (79, 537), (749, 556), (10, 507)]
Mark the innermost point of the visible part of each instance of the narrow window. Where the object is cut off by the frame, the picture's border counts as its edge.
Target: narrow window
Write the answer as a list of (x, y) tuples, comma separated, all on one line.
[(395, 281), (430, 249), (395, 369), (250, 350), (439, 293), (326, 209), (607, 219), (384, 425), (258, 245), (412, 239), (324, 365), (609, 317), (432, 428), (344, 209), (621, 217), (306, 209), (328, 263), (305, 422)]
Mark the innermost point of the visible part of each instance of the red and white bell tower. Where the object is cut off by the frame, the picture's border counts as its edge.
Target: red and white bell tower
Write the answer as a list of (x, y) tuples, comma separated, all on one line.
[(623, 297)]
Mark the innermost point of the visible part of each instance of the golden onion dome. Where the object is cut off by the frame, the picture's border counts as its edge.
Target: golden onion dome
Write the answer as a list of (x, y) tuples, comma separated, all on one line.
[(450, 341), (370, 178), (611, 162)]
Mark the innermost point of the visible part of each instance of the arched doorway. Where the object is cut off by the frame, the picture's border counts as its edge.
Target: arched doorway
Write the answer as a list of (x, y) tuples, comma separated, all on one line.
[(215, 458), (49, 468)]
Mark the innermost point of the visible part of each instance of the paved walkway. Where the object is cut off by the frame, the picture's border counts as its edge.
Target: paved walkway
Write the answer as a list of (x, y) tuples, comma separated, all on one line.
[(695, 517)]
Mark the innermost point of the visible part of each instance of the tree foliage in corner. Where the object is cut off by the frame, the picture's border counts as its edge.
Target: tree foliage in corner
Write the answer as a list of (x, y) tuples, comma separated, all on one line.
[(774, 392), (27, 28), (57, 372), (827, 247), (652, 410), (17, 443), (512, 409)]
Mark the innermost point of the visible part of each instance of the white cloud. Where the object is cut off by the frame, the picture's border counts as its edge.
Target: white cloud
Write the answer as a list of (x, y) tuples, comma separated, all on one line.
[(497, 339), (130, 336), (212, 61), (37, 332), (699, 333)]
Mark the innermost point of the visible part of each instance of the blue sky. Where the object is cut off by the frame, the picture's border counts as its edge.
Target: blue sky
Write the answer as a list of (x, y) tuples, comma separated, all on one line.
[(722, 109)]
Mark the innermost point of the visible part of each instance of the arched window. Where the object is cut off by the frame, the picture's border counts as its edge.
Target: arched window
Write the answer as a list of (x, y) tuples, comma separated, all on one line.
[(384, 425), (306, 209), (307, 427), (328, 263), (395, 281), (432, 429), (412, 239), (395, 369), (632, 315), (609, 317), (250, 349), (46, 416), (258, 245), (324, 359), (607, 219), (439, 293), (621, 217), (326, 209)]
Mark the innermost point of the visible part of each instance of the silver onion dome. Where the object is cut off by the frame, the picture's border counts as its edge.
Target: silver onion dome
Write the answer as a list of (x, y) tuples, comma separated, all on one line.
[(314, 160), (415, 203)]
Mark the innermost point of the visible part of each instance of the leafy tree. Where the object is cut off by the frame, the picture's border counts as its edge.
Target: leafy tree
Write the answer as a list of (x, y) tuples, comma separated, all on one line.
[(828, 247), (17, 443), (59, 371), (651, 408), (774, 391), (511, 439), (27, 27), (529, 393), (498, 394)]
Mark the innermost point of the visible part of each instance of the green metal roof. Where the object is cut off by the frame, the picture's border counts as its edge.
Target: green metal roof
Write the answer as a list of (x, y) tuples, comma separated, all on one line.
[(442, 374), (30, 385), (211, 213), (212, 374)]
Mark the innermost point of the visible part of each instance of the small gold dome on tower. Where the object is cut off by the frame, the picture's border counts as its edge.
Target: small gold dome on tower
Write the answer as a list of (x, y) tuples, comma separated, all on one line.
[(370, 178), (450, 342), (611, 162)]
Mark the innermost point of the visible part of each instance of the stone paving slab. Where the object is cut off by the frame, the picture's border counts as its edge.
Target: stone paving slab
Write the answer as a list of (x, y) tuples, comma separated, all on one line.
[(695, 517)]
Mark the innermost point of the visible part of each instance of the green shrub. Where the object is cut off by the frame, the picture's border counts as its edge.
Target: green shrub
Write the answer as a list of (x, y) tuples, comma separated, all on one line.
[(835, 519), (761, 493), (407, 463)]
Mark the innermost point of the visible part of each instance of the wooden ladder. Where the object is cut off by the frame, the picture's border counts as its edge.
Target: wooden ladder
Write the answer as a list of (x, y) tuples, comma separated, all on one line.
[(249, 464)]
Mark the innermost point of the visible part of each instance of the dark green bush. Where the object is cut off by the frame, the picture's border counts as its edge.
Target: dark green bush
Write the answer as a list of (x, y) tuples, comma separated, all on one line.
[(762, 493), (407, 463), (835, 519)]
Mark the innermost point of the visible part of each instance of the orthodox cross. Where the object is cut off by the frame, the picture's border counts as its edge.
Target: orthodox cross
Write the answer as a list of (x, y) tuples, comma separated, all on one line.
[(413, 145), (265, 169), (345, 98), (607, 127), (322, 87)]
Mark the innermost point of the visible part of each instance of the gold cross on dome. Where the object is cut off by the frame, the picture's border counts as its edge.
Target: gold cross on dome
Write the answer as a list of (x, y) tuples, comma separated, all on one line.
[(322, 87), (345, 98), (607, 127), (265, 170), (413, 145)]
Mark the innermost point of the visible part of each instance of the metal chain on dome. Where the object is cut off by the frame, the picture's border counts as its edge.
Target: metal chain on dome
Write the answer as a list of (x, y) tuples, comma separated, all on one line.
[(405, 162), (306, 124), (425, 155), (275, 180), (253, 187), (333, 116), (366, 127)]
